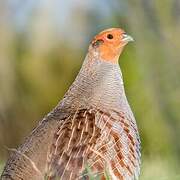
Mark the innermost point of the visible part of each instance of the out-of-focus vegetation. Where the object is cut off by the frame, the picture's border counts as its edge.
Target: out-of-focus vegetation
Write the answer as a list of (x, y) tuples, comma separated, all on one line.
[(42, 46)]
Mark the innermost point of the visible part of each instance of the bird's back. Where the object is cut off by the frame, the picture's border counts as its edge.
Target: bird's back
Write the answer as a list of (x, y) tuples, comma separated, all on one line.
[(96, 143)]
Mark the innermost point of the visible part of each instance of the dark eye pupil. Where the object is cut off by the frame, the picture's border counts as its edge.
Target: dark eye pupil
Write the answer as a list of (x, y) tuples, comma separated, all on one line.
[(110, 36)]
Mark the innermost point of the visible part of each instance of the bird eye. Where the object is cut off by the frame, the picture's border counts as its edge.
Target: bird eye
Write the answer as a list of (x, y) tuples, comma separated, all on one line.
[(110, 36)]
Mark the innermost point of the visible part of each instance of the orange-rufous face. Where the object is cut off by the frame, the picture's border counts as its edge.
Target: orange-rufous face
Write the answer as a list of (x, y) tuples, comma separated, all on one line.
[(110, 43)]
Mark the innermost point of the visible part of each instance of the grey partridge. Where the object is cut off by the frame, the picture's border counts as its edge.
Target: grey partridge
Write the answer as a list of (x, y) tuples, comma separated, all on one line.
[(92, 131)]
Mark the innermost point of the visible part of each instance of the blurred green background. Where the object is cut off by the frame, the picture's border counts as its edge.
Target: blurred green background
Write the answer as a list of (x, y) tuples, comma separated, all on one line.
[(43, 44)]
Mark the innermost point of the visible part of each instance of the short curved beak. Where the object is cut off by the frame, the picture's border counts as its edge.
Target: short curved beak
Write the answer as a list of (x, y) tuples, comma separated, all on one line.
[(127, 38)]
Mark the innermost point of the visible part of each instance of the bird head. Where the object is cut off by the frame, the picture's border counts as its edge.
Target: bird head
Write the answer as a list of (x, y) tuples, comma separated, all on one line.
[(110, 43)]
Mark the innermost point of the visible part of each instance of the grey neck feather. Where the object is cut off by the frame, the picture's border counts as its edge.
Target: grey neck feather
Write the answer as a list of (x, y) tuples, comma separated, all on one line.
[(98, 84)]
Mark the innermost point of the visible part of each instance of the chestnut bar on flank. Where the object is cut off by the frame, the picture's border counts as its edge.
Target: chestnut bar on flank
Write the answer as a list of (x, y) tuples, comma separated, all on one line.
[(92, 127)]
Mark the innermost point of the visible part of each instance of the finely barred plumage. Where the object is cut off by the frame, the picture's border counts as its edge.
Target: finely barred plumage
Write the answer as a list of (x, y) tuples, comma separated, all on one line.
[(92, 138), (92, 131)]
